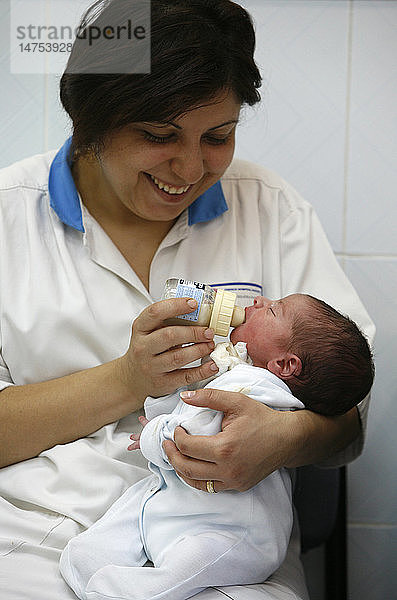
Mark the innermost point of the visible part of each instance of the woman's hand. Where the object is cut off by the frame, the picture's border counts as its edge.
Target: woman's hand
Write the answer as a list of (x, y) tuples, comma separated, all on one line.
[(152, 365), (253, 443)]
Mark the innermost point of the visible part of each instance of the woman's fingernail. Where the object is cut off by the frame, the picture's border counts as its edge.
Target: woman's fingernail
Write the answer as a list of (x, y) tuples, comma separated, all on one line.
[(192, 303), (187, 394), (209, 333), (213, 367)]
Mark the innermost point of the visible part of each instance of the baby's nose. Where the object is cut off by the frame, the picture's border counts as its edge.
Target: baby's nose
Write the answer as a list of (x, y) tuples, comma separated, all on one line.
[(260, 301)]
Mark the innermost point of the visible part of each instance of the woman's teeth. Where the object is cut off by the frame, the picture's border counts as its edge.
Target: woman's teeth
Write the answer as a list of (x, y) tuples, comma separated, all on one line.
[(167, 188)]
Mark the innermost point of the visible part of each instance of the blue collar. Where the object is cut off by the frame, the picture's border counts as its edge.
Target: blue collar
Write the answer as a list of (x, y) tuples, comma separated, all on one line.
[(65, 201)]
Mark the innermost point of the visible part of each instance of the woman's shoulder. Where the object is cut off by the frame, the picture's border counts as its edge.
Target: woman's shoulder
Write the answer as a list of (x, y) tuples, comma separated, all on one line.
[(269, 187), (29, 173), (244, 170)]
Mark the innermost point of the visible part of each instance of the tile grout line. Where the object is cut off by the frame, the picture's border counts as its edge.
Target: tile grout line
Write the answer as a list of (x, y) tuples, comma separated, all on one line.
[(365, 525), (361, 256), (347, 127)]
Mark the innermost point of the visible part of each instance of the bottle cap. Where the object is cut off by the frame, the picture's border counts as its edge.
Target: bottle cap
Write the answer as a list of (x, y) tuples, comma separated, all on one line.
[(223, 312)]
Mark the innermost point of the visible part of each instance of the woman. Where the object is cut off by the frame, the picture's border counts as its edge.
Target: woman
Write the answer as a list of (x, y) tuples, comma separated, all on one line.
[(89, 236)]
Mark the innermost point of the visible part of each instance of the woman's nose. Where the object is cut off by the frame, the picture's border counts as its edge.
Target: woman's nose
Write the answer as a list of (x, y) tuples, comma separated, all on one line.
[(188, 165)]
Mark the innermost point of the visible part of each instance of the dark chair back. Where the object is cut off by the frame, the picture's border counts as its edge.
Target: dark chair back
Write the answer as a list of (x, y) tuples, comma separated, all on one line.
[(320, 500)]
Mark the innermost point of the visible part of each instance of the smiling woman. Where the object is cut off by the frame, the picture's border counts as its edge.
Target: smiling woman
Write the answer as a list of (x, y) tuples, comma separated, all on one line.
[(146, 189), (131, 131), (122, 183)]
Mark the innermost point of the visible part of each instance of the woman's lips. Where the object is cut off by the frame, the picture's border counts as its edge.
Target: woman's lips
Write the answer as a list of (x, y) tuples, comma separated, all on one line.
[(170, 198)]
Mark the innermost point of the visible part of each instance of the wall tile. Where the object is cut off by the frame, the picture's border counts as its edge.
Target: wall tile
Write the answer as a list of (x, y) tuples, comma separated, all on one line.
[(372, 208), (299, 129), (58, 125), (372, 563), (21, 104), (373, 477)]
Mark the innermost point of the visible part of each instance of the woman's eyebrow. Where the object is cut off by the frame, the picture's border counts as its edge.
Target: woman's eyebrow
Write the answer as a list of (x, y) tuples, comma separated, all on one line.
[(223, 124), (162, 124), (167, 123)]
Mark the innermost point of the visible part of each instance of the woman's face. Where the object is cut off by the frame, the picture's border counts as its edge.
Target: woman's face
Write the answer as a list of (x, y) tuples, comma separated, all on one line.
[(156, 170)]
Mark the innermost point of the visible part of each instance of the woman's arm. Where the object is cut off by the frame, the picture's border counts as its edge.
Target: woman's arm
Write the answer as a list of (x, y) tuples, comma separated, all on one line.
[(255, 441), (38, 416)]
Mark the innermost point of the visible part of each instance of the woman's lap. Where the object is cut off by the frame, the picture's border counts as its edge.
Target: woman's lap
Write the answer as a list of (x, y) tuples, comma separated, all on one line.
[(30, 572)]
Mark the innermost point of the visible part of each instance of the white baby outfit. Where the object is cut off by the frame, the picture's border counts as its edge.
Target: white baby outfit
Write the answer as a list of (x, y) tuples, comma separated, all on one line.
[(194, 539)]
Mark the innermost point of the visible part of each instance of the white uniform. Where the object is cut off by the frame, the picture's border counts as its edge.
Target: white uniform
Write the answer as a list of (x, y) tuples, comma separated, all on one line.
[(67, 301), (194, 539)]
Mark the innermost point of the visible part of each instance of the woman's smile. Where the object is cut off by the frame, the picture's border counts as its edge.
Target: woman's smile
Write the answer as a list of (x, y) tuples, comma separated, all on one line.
[(156, 171), (168, 192)]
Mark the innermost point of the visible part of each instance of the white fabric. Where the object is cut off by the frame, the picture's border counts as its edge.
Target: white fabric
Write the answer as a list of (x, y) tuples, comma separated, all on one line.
[(82, 297), (168, 412), (194, 539), (226, 355)]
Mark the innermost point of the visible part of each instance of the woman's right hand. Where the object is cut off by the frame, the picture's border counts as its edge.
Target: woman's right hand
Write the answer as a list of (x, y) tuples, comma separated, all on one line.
[(42, 415), (153, 364)]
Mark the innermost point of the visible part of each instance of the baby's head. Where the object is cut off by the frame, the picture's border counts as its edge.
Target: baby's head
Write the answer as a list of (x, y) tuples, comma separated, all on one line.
[(320, 354)]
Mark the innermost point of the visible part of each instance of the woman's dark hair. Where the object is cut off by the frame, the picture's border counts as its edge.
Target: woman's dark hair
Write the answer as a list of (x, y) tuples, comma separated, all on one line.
[(337, 364), (198, 49)]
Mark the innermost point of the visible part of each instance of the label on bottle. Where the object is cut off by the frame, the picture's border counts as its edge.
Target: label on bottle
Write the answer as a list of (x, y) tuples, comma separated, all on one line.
[(190, 289)]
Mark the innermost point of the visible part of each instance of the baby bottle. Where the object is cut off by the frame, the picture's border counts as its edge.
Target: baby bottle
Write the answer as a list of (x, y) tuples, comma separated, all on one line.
[(215, 308)]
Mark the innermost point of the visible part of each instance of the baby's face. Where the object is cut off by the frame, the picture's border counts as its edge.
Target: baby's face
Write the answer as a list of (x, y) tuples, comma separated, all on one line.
[(267, 327)]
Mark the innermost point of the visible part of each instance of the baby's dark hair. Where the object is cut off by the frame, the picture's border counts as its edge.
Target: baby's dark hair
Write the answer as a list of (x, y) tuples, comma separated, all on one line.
[(337, 364)]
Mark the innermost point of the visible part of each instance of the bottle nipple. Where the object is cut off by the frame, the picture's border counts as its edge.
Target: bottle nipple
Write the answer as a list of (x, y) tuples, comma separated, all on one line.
[(238, 316)]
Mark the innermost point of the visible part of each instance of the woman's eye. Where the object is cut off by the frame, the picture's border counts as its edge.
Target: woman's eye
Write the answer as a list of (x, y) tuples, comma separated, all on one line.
[(157, 139), (217, 141), (163, 139)]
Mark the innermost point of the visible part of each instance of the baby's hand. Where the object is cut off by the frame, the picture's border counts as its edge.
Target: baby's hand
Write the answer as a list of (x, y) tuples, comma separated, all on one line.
[(135, 445), (136, 436)]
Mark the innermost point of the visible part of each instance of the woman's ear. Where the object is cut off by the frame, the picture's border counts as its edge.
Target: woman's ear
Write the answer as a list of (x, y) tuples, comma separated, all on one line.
[(285, 367)]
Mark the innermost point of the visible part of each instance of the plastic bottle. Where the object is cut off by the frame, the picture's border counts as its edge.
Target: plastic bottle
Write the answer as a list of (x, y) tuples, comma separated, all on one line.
[(215, 309)]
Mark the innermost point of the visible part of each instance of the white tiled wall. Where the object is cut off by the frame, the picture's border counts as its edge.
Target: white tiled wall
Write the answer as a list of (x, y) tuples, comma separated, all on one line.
[(328, 124)]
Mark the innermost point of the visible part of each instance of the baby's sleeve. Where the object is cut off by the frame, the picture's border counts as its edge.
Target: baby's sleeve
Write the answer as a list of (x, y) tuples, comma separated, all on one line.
[(195, 420)]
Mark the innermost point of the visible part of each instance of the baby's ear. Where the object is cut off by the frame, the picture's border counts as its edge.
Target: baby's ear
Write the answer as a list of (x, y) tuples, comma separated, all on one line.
[(285, 367)]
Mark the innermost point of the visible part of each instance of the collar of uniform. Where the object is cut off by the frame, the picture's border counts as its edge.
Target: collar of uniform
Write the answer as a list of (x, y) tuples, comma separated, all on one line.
[(65, 201)]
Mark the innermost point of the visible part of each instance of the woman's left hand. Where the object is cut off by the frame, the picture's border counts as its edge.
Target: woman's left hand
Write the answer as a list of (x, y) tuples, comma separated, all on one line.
[(252, 444)]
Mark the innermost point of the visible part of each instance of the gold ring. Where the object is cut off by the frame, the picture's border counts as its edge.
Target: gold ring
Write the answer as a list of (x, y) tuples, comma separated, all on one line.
[(210, 487)]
